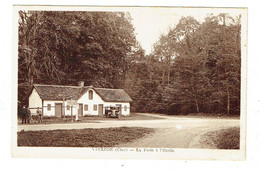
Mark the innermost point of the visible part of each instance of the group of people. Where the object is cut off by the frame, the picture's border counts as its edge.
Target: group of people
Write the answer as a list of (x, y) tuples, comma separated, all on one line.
[(27, 116)]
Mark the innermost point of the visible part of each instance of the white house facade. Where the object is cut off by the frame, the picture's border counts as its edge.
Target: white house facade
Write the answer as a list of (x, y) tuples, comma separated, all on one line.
[(55, 100)]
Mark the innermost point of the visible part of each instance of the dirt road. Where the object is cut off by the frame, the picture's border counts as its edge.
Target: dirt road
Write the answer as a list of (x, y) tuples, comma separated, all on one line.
[(183, 133), (171, 132)]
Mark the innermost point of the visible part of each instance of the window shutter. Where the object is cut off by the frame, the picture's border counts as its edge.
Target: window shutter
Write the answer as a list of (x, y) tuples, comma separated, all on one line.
[(95, 107), (90, 94), (49, 107), (85, 107)]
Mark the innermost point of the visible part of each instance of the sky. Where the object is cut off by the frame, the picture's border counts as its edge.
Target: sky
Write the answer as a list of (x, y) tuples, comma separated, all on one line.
[(151, 22)]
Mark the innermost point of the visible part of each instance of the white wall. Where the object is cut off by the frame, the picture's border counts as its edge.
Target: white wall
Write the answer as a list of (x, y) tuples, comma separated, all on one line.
[(86, 101), (34, 101), (51, 112), (98, 100), (123, 104)]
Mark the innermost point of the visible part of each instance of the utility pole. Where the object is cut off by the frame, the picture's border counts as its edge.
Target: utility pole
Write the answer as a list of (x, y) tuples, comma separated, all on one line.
[(63, 108), (71, 107)]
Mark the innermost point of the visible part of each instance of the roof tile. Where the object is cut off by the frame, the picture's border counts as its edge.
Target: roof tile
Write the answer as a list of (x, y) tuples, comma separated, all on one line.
[(58, 92)]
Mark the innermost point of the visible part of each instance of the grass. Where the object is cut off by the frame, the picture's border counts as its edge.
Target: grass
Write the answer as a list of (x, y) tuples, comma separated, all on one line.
[(133, 116), (92, 119), (198, 115), (56, 120), (103, 137), (223, 139), (213, 115)]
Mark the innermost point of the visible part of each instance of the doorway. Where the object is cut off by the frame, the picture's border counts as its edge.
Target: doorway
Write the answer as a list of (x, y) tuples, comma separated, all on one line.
[(100, 109), (80, 110), (58, 109)]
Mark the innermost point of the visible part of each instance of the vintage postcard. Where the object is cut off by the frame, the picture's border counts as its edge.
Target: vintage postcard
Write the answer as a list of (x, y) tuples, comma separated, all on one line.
[(129, 82)]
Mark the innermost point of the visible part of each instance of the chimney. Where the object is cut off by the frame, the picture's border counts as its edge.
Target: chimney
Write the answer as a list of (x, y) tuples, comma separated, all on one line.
[(81, 83)]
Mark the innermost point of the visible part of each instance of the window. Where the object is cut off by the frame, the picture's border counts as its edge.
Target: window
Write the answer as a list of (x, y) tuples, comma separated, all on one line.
[(125, 108), (49, 107), (68, 107), (90, 95), (85, 107), (95, 107)]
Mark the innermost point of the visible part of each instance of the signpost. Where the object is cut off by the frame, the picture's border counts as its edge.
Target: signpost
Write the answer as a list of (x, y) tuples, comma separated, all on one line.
[(63, 109), (72, 103)]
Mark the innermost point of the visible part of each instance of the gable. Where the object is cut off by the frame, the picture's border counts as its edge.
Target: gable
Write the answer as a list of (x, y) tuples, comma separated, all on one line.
[(34, 96), (85, 97)]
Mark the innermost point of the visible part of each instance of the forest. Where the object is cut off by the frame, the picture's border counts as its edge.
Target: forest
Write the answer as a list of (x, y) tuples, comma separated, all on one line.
[(194, 68)]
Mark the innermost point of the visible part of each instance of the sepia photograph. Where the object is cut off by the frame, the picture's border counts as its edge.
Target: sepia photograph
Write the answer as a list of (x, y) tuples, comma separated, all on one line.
[(130, 82)]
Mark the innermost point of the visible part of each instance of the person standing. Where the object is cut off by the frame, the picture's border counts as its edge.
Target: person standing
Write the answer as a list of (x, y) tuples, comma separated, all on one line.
[(24, 115), (28, 115), (39, 113)]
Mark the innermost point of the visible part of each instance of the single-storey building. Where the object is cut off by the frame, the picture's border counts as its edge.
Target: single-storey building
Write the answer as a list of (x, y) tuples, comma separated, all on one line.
[(55, 100)]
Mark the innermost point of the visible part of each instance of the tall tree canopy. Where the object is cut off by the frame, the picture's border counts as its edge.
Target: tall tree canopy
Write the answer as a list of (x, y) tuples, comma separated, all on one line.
[(65, 47), (193, 68)]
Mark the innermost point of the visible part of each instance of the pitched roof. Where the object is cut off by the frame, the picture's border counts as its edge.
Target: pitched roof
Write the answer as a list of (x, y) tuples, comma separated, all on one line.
[(58, 92), (113, 95)]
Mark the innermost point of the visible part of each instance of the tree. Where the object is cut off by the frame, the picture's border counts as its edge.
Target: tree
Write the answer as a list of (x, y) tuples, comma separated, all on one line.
[(224, 60), (202, 63), (63, 47)]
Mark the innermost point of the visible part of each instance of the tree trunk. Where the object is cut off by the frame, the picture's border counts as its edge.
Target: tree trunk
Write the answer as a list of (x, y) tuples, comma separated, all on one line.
[(168, 76), (197, 106), (163, 78), (228, 101), (196, 100)]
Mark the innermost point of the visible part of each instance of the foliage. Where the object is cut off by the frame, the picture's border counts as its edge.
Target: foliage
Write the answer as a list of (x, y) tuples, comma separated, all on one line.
[(228, 138), (66, 47), (193, 68)]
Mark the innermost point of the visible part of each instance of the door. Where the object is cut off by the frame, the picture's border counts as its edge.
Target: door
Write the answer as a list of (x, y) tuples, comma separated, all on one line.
[(100, 109), (58, 109), (120, 108), (80, 110)]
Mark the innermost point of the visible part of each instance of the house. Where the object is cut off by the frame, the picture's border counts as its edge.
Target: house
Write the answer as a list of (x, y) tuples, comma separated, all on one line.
[(55, 100)]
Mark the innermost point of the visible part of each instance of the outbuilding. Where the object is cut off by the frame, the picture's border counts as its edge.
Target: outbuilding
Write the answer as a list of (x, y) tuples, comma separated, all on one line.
[(56, 100)]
